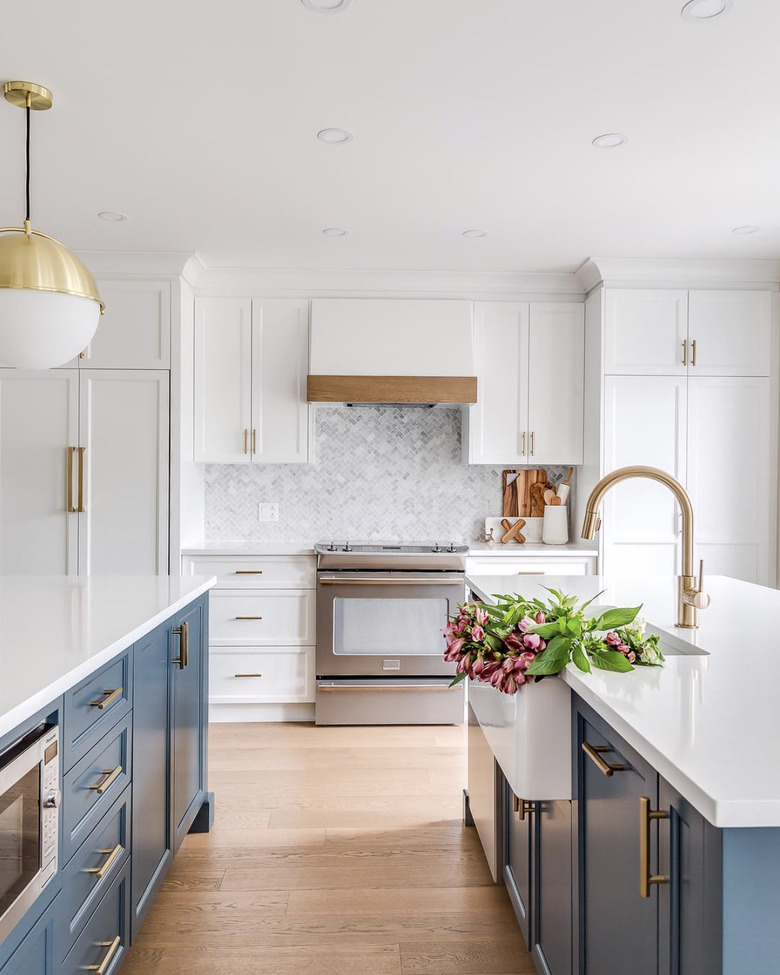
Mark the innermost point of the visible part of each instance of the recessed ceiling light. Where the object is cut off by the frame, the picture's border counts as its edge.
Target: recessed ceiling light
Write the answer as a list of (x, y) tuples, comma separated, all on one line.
[(609, 140), (334, 137), (474, 233), (749, 228), (326, 6), (113, 216), (335, 232), (706, 9)]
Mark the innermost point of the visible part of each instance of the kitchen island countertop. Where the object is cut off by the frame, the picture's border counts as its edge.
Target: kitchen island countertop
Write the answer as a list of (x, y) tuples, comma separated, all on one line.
[(709, 724)]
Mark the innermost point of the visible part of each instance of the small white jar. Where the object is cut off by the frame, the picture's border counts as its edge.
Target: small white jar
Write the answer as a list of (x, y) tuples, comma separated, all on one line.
[(555, 530)]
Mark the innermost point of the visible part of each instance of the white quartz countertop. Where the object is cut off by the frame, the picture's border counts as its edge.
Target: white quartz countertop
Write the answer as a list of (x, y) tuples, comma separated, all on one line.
[(709, 724), (56, 630), (535, 549), (498, 550), (250, 548)]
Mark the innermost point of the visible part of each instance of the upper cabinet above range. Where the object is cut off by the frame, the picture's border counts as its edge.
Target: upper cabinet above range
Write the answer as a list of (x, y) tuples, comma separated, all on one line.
[(530, 368), (687, 333), (251, 361)]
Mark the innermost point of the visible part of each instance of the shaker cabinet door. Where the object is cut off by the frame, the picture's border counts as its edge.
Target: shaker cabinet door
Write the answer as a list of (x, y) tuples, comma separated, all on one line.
[(645, 331), (135, 331), (518, 864), (732, 331)]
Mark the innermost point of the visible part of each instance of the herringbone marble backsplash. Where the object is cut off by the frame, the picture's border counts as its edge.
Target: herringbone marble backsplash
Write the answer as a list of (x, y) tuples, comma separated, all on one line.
[(380, 472)]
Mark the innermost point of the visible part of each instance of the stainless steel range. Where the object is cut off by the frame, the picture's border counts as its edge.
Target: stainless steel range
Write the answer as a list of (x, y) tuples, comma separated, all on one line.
[(381, 607)]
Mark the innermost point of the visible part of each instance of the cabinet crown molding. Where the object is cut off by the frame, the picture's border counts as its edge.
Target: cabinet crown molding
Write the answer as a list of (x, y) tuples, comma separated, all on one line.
[(704, 273)]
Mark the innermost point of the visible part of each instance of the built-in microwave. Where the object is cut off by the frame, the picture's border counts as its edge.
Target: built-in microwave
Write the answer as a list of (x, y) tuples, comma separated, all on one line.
[(29, 822)]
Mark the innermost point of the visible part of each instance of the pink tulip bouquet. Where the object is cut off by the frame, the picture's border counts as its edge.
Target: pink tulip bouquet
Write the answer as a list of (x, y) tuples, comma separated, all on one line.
[(521, 640)]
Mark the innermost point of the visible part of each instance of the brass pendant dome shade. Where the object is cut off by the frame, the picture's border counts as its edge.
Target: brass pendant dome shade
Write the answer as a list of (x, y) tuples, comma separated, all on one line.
[(49, 302)]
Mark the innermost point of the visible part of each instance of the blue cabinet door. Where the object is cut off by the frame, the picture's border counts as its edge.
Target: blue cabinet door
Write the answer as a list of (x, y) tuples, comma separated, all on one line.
[(35, 955), (552, 911), (618, 928), (190, 716), (518, 846), (152, 842)]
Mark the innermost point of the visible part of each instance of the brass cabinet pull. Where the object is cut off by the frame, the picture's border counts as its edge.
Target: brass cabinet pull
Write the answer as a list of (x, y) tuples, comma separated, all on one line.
[(248, 572), (183, 633), (246, 441), (105, 785), (646, 815), (247, 617), (593, 753), (80, 504), (113, 947), (100, 872), (522, 451), (533, 443), (254, 441), (71, 452), (693, 352), (247, 675), (522, 807), (107, 701), (685, 352)]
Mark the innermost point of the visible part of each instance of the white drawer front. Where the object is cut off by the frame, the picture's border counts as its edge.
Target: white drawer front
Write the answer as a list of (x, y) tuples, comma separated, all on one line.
[(504, 566), (262, 619), (254, 571), (280, 675)]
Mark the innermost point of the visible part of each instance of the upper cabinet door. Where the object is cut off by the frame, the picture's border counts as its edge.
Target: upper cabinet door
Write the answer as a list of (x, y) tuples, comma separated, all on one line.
[(280, 362), (556, 381), (223, 380), (39, 428), (646, 332), (135, 331), (732, 332), (497, 429), (124, 432)]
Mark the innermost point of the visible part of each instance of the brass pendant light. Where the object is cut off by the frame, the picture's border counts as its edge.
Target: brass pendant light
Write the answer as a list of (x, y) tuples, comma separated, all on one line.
[(49, 303)]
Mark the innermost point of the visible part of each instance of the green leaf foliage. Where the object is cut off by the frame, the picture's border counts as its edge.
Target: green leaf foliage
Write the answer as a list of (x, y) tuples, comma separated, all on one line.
[(617, 617), (611, 660), (553, 658), (579, 658), (457, 679)]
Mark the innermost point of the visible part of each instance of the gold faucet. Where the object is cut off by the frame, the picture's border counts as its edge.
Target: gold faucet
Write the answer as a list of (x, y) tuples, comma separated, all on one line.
[(690, 591)]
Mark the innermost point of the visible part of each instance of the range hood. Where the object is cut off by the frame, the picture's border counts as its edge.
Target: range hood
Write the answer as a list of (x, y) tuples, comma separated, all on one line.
[(405, 352)]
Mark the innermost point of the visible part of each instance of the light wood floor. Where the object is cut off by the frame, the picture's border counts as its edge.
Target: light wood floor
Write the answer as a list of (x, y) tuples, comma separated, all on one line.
[(336, 851)]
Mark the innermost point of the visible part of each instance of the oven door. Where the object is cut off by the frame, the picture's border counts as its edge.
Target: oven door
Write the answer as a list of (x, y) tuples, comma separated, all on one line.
[(385, 624)]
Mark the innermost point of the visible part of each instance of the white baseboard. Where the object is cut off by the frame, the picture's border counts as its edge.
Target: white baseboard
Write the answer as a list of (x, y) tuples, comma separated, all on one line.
[(221, 713)]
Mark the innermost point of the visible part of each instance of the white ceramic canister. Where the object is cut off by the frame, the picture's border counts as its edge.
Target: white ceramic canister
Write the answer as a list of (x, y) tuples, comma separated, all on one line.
[(555, 530)]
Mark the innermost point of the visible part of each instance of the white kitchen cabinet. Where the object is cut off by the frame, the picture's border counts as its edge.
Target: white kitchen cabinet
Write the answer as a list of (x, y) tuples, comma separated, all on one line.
[(527, 565), (645, 423), (279, 675), (124, 433), (95, 440), (135, 331), (732, 331), (262, 619), (39, 420), (645, 331), (728, 474), (251, 361), (529, 362), (556, 381)]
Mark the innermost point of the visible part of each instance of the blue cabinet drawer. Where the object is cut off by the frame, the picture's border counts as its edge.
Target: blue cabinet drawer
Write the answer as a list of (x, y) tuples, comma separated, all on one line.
[(93, 784), (103, 943), (94, 706), (35, 955), (92, 869)]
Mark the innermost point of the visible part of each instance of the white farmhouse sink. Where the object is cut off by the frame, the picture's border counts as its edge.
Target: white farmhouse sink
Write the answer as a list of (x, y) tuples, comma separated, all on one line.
[(530, 735)]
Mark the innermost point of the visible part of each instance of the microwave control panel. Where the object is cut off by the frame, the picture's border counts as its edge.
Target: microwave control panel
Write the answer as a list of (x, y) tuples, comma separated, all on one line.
[(50, 796)]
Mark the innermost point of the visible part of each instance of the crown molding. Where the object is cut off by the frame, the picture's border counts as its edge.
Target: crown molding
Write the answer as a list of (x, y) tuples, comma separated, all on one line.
[(136, 264), (711, 273), (350, 282)]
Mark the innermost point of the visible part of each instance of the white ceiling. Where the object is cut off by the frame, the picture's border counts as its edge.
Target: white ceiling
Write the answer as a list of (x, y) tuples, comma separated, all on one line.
[(199, 120)]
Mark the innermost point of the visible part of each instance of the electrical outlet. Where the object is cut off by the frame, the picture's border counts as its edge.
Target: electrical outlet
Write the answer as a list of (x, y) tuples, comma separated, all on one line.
[(268, 512)]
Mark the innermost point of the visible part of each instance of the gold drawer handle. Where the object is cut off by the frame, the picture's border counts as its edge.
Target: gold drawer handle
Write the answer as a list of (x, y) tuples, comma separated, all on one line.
[(247, 675), (246, 441), (248, 617), (248, 572), (107, 701), (100, 872), (593, 753), (105, 785), (646, 815), (113, 947), (183, 632), (522, 807)]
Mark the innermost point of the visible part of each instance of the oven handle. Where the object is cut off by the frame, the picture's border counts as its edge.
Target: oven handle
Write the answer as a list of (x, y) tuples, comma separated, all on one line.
[(386, 687), (389, 582)]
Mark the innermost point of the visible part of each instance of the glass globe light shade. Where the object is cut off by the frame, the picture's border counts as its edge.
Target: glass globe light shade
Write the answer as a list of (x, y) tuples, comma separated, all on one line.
[(49, 302)]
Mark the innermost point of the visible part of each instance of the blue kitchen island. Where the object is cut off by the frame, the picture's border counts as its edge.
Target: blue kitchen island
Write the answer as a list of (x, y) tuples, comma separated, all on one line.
[(657, 851), (103, 759)]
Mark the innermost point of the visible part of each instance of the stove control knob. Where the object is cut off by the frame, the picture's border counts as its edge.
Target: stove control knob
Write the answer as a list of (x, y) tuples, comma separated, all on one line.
[(52, 801), (332, 547), (436, 547), (452, 547), (347, 547)]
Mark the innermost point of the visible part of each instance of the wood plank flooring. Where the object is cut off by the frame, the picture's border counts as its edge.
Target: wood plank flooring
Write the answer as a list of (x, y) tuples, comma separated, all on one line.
[(336, 851)]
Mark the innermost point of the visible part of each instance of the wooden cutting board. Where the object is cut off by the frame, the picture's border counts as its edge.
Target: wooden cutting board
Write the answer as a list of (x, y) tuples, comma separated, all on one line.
[(516, 493), (509, 494), (537, 498)]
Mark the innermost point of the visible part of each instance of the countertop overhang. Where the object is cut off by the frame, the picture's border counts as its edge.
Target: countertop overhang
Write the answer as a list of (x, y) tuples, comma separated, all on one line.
[(709, 724), (56, 630)]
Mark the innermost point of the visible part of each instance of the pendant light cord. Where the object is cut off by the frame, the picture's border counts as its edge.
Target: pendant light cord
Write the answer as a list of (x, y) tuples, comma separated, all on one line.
[(27, 184)]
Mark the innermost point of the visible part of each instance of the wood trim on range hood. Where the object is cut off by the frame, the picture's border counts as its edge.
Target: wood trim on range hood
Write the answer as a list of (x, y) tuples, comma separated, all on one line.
[(391, 389)]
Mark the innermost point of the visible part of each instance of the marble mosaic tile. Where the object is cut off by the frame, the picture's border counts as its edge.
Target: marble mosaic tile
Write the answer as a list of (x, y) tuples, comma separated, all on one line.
[(380, 473)]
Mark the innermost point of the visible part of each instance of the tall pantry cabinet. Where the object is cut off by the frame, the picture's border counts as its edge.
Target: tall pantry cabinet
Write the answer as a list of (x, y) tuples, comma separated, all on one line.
[(84, 449), (688, 389)]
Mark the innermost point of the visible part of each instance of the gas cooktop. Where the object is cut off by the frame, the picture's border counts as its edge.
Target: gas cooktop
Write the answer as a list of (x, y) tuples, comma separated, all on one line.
[(392, 556)]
